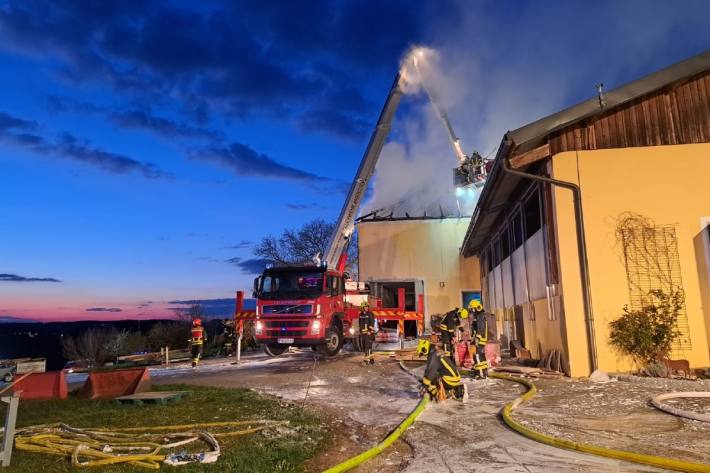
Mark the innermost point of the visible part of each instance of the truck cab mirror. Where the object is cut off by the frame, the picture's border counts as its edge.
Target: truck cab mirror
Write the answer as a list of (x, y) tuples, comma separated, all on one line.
[(255, 290)]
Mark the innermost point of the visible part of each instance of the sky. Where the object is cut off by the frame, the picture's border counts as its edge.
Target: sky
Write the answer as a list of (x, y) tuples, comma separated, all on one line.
[(147, 146)]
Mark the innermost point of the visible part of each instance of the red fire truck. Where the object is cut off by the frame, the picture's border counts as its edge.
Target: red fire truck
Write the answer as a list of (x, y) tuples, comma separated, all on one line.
[(311, 305)]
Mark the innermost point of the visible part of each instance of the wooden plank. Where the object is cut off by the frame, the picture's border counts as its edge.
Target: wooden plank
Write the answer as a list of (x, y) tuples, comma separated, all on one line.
[(155, 397), (529, 157)]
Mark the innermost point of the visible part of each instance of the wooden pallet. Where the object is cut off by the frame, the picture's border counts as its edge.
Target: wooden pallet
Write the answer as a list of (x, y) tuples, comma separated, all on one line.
[(152, 397)]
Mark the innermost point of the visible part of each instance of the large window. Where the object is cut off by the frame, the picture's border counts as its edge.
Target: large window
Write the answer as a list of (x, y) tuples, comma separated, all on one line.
[(533, 216), (516, 230), (504, 244)]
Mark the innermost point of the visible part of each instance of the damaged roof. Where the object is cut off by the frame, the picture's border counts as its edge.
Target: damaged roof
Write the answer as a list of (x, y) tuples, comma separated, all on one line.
[(499, 186)]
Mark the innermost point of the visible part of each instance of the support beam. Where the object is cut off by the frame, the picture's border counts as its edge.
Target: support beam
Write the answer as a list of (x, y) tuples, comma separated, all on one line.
[(529, 157)]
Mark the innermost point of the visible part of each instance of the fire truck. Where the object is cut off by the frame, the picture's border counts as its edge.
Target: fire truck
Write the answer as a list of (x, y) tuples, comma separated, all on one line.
[(316, 304)]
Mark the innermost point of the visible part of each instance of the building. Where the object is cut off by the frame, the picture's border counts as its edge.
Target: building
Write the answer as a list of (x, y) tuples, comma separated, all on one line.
[(420, 254), (638, 161)]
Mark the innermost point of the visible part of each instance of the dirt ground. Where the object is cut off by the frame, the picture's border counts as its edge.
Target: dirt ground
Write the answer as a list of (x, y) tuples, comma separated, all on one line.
[(365, 403)]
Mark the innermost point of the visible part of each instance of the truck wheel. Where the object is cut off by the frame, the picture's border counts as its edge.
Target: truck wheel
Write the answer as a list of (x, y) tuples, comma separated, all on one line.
[(7, 378), (275, 350), (333, 342)]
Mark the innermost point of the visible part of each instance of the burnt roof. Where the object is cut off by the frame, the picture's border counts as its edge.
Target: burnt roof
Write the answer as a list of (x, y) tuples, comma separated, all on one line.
[(499, 186)]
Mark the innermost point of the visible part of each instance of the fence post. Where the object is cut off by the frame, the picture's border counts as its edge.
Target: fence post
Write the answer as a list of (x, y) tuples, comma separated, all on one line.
[(237, 311)]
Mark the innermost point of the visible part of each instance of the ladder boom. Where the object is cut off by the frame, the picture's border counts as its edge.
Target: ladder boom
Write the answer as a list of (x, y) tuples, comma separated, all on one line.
[(334, 256)]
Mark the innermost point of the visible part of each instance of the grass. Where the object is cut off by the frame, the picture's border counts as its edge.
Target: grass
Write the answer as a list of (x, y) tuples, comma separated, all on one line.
[(258, 452)]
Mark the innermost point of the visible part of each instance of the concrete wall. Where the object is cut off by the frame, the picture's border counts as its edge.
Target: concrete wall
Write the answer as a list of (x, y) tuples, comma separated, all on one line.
[(668, 184), (420, 249)]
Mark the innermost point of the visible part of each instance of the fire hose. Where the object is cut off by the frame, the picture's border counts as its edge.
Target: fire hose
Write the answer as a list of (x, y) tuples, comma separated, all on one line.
[(351, 463), (651, 460), (144, 447), (656, 402)]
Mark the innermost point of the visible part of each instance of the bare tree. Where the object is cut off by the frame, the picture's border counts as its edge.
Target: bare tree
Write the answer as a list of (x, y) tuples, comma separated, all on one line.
[(94, 344), (299, 246)]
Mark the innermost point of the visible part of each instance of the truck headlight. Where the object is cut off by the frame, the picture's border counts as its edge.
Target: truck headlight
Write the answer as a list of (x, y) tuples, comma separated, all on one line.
[(318, 309), (315, 327), (352, 330), (259, 327)]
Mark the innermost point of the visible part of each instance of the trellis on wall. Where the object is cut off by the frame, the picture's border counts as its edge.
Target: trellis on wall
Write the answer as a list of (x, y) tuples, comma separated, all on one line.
[(652, 263)]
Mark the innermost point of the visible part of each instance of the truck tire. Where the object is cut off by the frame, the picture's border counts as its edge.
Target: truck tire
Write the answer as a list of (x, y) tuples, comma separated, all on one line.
[(7, 378), (333, 343), (275, 350)]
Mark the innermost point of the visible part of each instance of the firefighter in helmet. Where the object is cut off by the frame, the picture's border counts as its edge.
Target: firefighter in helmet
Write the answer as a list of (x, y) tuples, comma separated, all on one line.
[(197, 339), (448, 325), (229, 336), (441, 378), (366, 323), (479, 332)]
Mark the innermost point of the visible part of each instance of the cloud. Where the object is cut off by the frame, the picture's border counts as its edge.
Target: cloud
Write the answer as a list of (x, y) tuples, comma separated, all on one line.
[(15, 278), (240, 246), (278, 59), (9, 122), (103, 309), (247, 162), (249, 266), (300, 207), (163, 126), (66, 145)]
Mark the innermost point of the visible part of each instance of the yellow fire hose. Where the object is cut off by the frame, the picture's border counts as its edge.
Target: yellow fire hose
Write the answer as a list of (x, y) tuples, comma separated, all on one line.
[(351, 463), (651, 460), (382, 446), (137, 446)]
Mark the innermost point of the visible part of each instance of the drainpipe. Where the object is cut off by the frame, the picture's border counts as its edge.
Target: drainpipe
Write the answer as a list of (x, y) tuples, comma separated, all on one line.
[(581, 250)]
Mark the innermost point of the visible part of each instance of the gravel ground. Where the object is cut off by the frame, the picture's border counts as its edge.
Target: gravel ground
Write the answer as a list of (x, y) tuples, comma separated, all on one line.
[(618, 415)]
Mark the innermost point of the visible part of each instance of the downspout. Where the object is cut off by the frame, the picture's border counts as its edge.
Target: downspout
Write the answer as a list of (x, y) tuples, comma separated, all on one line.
[(581, 249)]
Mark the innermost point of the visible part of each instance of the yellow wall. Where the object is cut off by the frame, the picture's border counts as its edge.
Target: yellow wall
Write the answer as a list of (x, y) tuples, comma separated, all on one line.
[(420, 249), (668, 184)]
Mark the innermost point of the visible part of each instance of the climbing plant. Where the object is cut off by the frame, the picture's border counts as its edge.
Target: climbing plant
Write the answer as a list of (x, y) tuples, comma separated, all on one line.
[(647, 334)]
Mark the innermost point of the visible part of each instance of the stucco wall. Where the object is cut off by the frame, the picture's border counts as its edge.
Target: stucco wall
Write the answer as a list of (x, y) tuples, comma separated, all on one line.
[(668, 184), (420, 249)]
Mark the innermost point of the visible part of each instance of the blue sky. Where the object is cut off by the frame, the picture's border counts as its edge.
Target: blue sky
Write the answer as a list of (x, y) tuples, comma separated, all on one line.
[(143, 143)]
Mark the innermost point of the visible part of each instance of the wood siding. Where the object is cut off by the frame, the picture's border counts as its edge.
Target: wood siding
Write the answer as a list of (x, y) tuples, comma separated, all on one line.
[(676, 115)]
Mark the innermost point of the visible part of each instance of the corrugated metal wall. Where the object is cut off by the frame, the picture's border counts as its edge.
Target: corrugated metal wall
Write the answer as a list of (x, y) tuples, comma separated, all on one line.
[(678, 115)]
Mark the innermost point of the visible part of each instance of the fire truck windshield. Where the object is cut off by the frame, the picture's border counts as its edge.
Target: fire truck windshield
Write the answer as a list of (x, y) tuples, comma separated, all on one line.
[(291, 285)]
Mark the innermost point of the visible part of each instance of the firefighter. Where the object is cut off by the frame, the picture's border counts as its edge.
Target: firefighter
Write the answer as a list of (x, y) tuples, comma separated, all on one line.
[(448, 326), (197, 339), (441, 378), (366, 323), (229, 337), (479, 332)]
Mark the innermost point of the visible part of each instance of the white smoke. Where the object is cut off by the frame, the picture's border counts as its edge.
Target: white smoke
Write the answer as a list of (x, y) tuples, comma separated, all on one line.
[(415, 171), (494, 72)]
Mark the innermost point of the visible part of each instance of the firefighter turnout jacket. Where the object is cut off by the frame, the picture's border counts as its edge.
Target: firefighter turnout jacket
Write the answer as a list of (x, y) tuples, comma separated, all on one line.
[(450, 321), (440, 367), (366, 322), (197, 335)]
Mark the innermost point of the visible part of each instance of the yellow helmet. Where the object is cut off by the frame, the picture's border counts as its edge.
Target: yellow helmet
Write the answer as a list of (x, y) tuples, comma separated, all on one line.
[(475, 305), (423, 347), (364, 305), (463, 313)]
